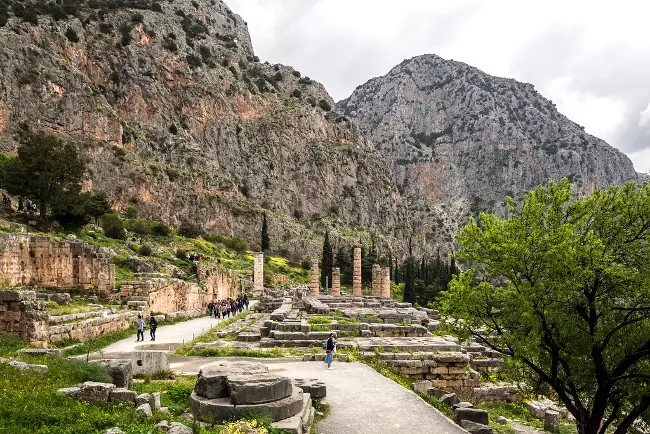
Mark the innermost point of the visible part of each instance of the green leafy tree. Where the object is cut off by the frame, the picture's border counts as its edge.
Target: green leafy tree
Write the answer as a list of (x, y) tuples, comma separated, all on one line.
[(96, 205), (47, 170), (327, 262), (344, 262), (562, 288), (266, 241)]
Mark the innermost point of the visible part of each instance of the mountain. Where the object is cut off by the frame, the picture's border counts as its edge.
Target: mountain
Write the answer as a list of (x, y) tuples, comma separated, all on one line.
[(459, 141), (177, 116)]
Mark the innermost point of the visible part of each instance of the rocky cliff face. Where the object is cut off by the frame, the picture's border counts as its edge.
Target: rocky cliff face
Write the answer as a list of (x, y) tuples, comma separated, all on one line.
[(459, 141), (177, 116)]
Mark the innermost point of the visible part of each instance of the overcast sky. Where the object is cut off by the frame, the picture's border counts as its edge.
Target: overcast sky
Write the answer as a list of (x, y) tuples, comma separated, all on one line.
[(592, 58)]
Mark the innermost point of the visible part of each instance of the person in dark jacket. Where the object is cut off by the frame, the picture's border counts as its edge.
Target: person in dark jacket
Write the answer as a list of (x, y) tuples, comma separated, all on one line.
[(153, 324), (330, 347)]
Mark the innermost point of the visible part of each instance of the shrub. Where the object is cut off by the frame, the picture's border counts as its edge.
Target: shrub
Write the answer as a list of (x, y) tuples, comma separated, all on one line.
[(146, 250), (319, 320), (3, 20), (171, 46), (161, 229), (296, 93), (105, 28), (141, 228), (173, 129), (156, 7), (137, 18), (189, 230), (296, 74), (113, 226), (181, 254), (194, 61), (324, 105), (239, 245), (72, 35), (131, 213)]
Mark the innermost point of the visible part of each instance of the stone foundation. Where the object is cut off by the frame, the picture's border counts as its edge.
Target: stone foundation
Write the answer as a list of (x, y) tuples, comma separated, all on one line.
[(38, 260)]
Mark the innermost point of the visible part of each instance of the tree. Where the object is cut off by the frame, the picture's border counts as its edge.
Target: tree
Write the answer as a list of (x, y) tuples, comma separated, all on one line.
[(409, 280), (344, 262), (96, 205), (327, 262), (47, 170), (562, 287), (266, 242)]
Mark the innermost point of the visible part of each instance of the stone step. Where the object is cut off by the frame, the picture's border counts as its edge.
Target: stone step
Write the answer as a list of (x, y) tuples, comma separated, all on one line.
[(249, 337), (271, 343)]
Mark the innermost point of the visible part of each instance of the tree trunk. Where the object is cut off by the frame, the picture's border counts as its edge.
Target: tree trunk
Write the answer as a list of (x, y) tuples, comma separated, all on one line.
[(43, 210)]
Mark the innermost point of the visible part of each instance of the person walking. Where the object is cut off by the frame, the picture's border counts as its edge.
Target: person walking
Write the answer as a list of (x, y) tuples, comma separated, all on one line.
[(246, 301), (140, 328), (153, 325), (330, 347)]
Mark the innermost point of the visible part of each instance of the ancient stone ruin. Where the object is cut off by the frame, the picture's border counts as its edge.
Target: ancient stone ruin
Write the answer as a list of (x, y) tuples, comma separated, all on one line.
[(226, 391), (258, 274)]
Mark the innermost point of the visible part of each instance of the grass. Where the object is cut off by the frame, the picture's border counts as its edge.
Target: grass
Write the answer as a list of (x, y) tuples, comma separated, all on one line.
[(9, 345), (320, 328), (54, 309), (238, 352), (174, 394), (520, 413), (30, 404), (349, 321), (321, 411), (319, 320)]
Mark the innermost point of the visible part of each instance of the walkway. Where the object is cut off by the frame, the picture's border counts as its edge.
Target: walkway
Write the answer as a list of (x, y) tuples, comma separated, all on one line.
[(362, 401), (179, 333)]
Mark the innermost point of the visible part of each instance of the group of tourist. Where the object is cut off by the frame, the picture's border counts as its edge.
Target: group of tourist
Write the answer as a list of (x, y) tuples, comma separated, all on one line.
[(195, 257), (225, 308), (23, 205)]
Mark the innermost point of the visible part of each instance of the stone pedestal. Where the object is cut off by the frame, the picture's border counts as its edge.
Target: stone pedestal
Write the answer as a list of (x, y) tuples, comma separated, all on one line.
[(336, 282), (552, 421), (314, 284), (356, 273), (258, 273), (385, 283), (376, 280)]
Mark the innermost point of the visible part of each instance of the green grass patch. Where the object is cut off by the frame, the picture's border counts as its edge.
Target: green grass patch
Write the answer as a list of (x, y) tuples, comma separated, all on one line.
[(29, 402), (174, 394), (319, 320), (337, 314), (238, 352), (351, 333), (320, 328), (349, 321), (10, 344), (55, 309), (517, 411)]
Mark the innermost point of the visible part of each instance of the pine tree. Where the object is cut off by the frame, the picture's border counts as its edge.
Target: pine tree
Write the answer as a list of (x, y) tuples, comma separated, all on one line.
[(327, 262), (266, 242)]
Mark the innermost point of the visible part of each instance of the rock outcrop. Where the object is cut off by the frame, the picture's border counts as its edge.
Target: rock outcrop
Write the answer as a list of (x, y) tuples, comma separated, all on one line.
[(177, 116), (459, 141)]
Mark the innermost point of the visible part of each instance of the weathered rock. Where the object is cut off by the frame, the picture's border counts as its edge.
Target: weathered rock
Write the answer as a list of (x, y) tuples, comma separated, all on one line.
[(62, 298), (162, 426), (449, 399), (122, 395), (52, 352), (257, 389), (144, 409), (95, 393), (475, 428), (147, 398), (179, 428), (421, 386), (27, 366), (552, 421), (72, 392), (114, 431), (501, 420), (472, 414), (314, 387), (121, 371), (212, 381)]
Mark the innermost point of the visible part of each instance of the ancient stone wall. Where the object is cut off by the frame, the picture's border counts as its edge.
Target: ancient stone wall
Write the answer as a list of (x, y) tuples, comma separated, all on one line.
[(39, 260), (23, 316), (91, 328), (165, 294), (219, 284)]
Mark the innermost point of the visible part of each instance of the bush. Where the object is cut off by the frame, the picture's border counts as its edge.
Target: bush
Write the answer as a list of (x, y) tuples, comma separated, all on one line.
[(156, 7), (145, 250), (181, 254), (194, 61), (189, 230), (296, 74), (141, 228), (296, 93), (161, 229), (131, 213), (137, 18), (113, 226), (324, 105), (105, 28), (72, 35)]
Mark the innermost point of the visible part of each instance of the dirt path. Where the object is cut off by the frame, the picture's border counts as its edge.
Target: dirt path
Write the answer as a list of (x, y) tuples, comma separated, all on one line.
[(362, 401)]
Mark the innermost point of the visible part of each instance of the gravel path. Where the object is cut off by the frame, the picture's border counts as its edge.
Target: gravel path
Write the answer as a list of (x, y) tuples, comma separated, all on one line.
[(362, 401)]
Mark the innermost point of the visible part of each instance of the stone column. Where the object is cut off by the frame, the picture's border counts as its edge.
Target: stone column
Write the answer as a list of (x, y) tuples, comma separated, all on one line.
[(314, 284), (376, 280), (258, 273), (356, 273), (385, 283), (336, 282)]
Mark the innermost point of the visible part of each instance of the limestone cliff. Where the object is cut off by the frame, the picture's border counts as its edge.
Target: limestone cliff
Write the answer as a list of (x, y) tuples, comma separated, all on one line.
[(177, 116), (459, 141)]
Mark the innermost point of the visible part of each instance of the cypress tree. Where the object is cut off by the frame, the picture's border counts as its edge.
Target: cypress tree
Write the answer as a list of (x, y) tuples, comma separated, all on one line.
[(265, 242), (344, 262), (409, 289), (327, 262)]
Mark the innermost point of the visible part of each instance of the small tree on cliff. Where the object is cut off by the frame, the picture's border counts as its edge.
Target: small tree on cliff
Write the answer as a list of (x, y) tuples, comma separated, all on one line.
[(265, 242), (47, 170), (562, 288), (327, 262)]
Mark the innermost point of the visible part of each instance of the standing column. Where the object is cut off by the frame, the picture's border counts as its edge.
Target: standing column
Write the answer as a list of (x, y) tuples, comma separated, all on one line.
[(336, 282), (356, 273), (258, 273), (385, 283), (376, 280), (314, 284)]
